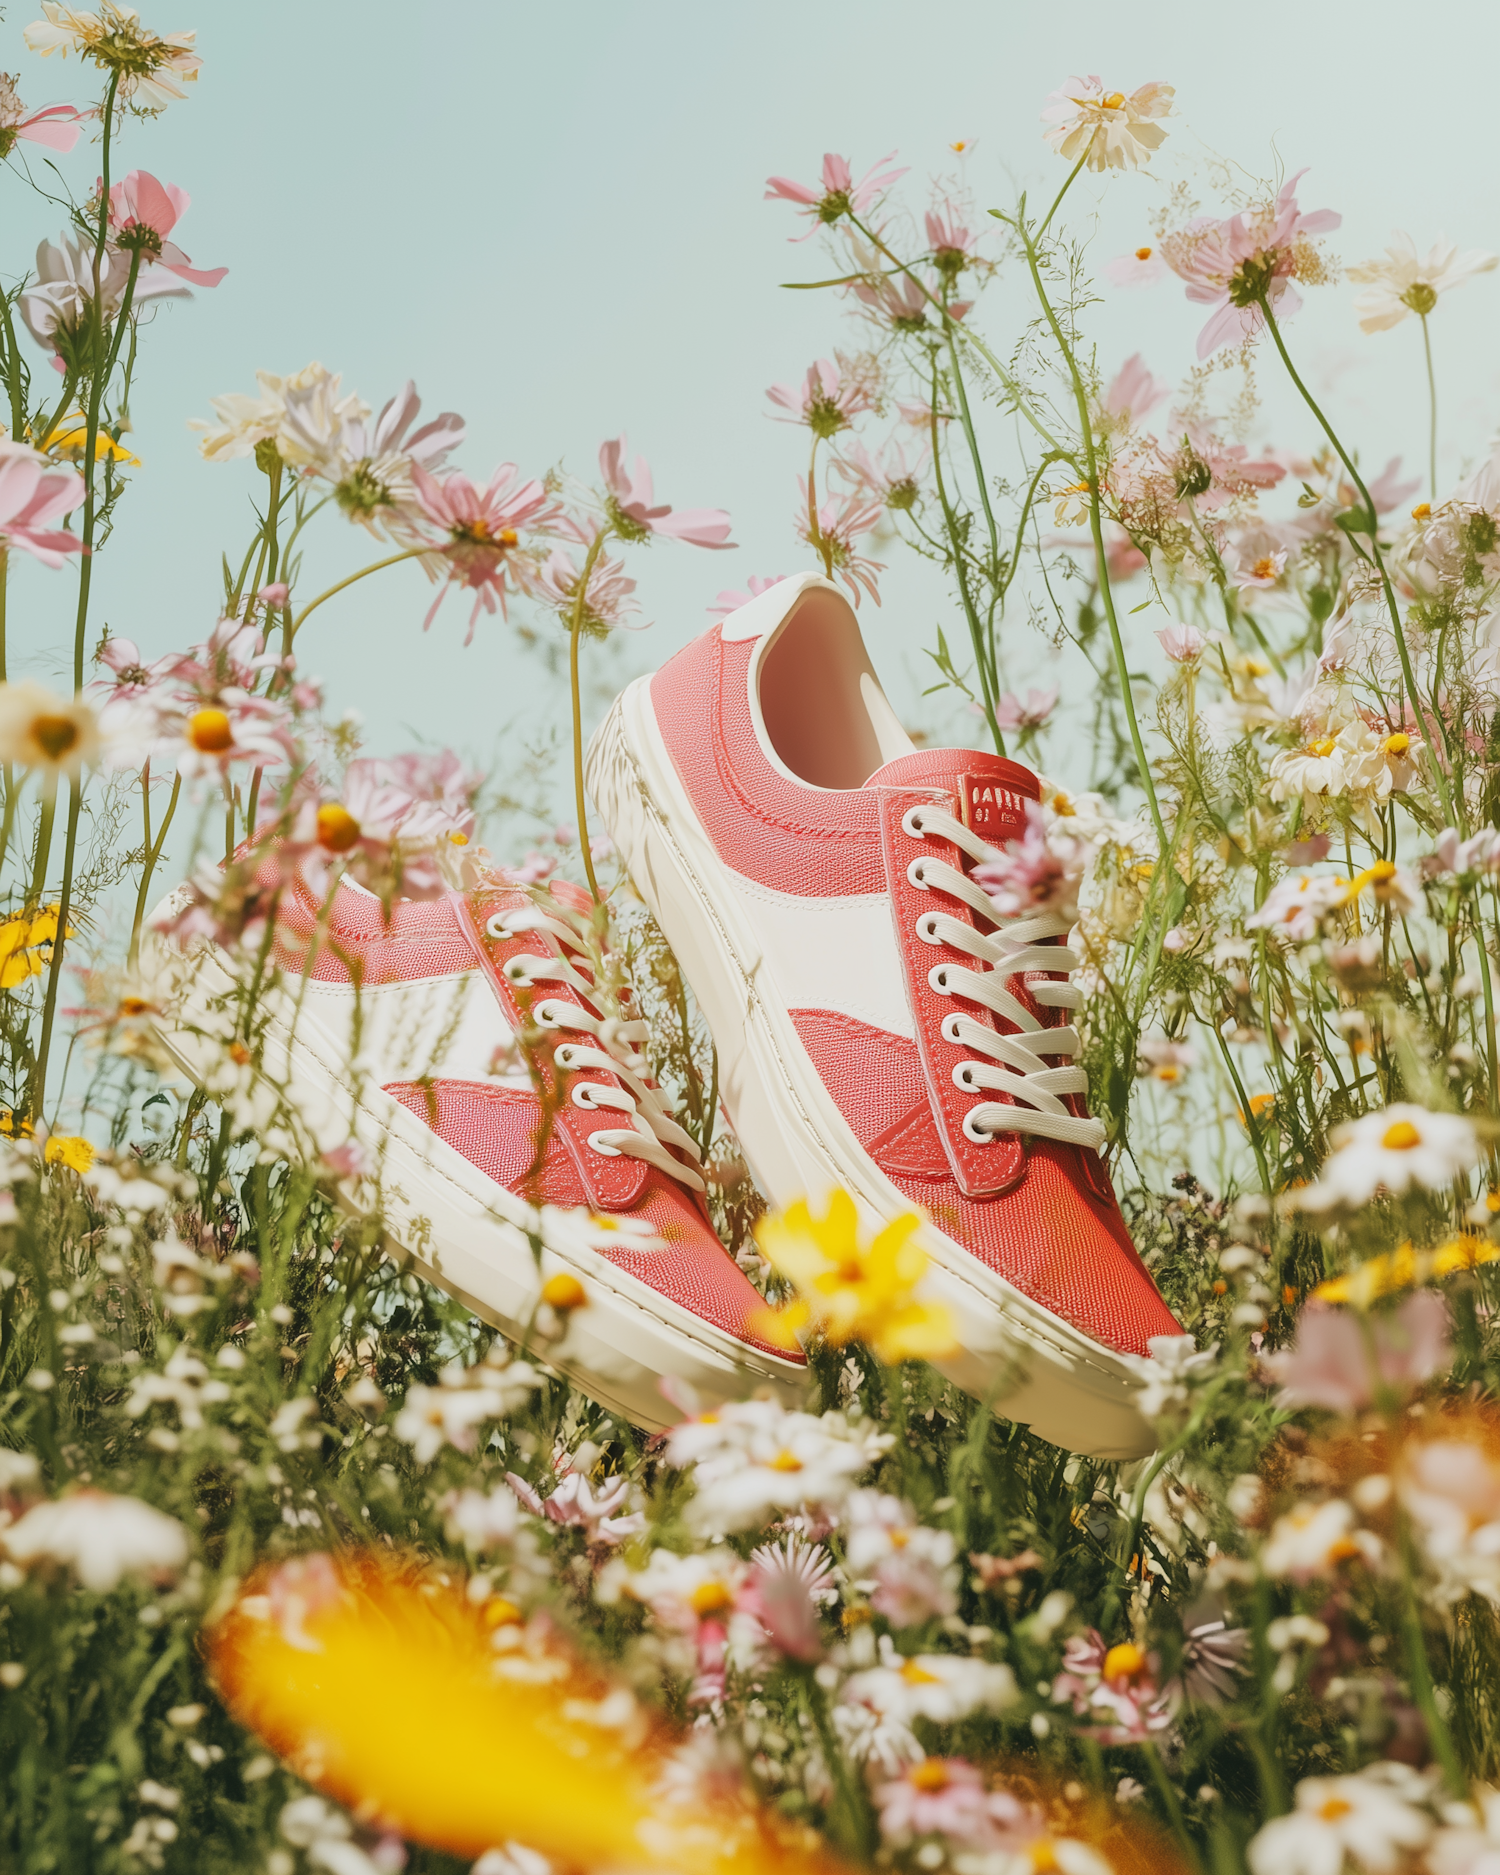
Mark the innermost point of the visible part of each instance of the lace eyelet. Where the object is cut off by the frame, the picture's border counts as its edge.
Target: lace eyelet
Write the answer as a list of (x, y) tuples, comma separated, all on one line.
[(563, 1056), (914, 875), (515, 973), (951, 1031), (583, 1096), (600, 1143), (962, 1077), (546, 1014), (937, 979), (927, 928), (976, 1135), (497, 928), (911, 823)]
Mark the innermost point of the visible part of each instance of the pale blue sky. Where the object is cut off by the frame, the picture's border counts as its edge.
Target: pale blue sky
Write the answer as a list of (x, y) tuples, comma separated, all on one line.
[(551, 218)]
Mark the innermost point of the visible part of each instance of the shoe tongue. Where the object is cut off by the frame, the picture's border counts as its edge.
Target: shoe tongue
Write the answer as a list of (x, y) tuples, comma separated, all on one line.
[(991, 791)]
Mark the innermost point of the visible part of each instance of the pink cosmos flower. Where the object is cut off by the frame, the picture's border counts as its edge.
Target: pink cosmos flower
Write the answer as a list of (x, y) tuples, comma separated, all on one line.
[(1388, 490), (1331, 1363), (575, 1505), (951, 242), (935, 1797), (33, 493), (142, 214), (1012, 714), (533, 869), (841, 520), (898, 301), (1256, 571), (1117, 1685), (889, 477), (1132, 393), (636, 513), (132, 676), (828, 399), (839, 195), (483, 528), (55, 128), (1142, 268), (1183, 644), (1229, 264), (787, 1581), (730, 601), (1035, 873), (1230, 470), (607, 602), (275, 594)]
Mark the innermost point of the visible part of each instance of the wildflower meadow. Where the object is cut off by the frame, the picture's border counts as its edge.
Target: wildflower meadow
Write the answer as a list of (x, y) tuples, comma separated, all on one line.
[(314, 1558)]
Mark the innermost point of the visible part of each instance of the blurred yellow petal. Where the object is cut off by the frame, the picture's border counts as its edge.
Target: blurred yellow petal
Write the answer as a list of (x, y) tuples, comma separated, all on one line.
[(75, 442), (71, 1150), (393, 1695)]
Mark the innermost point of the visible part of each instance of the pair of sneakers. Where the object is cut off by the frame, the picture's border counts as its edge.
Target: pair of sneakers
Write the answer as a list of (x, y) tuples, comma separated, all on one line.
[(881, 1027)]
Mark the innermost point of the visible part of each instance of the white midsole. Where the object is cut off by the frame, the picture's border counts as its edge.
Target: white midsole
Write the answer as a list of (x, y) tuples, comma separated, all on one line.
[(472, 1237), (1045, 1373)]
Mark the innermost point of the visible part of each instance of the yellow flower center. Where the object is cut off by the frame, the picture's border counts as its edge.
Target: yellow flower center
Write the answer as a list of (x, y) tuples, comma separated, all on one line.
[(710, 1598), (210, 732), (1397, 744), (54, 735), (1265, 567), (564, 1293), (786, 1461), (1422, 511), (1334, 1808), (900, 1539), (337, 827), (1401, 1137), (1043, 1857), (930, 1774), (1143, 253), (500, 1613), (917, 1675), (1324, 746), (459, 839), (1125, 1662), (1113, 102)]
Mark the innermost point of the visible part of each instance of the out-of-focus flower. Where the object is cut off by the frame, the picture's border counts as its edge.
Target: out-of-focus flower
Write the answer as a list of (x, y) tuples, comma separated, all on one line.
[(839, 523), (41, 730), (1116, 1686), (935, 1797), (1166, 1060), (1212, 1653), (1372, 1821), (847, 1291), (483, 528), (1313, 1539), (26, 944), (1231, 265), (939, 1687), (481, 1520), (889, 477), (636, 514), (829, 398), (58, 309), (449, 1414), (839, 194), (245, 422), (1072, 506), (99, 1537), (1108, 129), (113, 38), (575, 1504), (912, 1566), (1468, 1843), (1143, 267), (607, 603), (1041, 871), (1014, 716), (1450, 1489), (751, 1456), (788, 1580), (1297, 905), (1404, 1267), (1183, 644), (142, 214), (1405, 282), (369, 465), (1260, 571), (55, 128), (34, 493), (1132, 394), (1339, 1363), (730, 601), (1401, 1148)]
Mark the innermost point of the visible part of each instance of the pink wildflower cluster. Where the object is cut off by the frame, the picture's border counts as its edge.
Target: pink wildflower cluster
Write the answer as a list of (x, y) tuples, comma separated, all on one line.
[(1041, 871), (34, 493), (1117, 1687)]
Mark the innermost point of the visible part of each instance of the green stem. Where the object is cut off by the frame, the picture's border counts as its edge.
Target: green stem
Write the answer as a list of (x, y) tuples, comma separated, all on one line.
[(955, 547), (1170, 1804), (43, 845), (395, 559), (814, 532), (153, 854), (13, 373), (575, 632), (1096, 528), (54, 973), (1419, 1673), (1440, 774), (1057, 200), (1431, 410)]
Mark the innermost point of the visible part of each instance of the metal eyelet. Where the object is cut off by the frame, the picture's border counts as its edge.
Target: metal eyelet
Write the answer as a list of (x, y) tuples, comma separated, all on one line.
[(911, 823)]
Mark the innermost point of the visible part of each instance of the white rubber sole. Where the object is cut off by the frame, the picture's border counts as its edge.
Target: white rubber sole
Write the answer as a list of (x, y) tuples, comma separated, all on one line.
[(475, 1239), (1013, 1354)]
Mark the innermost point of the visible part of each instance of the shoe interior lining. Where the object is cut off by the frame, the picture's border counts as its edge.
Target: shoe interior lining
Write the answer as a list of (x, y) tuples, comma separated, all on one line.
[(825, 714)]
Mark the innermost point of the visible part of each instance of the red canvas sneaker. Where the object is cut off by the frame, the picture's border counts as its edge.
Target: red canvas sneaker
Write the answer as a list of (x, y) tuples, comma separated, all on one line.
[(881, 1026), (489, 1146)]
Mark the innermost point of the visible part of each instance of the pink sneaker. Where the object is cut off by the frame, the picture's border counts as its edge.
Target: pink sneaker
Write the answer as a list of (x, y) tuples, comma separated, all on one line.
[(880, 1025), (422, 1071)]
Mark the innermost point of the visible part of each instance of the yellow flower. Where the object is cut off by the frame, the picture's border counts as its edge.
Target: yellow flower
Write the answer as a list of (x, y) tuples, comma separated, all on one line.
[(71, 436), (26, 945), (1404, 1268), (848, 1293), (397, 1696), (71, 1150)]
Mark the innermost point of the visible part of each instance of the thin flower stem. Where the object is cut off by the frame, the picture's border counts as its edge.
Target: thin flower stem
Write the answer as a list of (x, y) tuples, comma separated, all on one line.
[(410, 553), (976, 633), (575, 632), (1096, 528), (13, 373), (153, 855), (1057, 199), (1408, 674), (1170, 1804), (1431, 410), (814, 532), (1419, 1675)]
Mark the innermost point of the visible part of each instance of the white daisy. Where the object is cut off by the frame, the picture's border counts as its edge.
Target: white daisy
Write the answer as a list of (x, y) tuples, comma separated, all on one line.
[(1111, 130), (1402, 1147), (99, 1537), (1371, 1820), (1406, 282), (940, 1687), (1313, 1539)]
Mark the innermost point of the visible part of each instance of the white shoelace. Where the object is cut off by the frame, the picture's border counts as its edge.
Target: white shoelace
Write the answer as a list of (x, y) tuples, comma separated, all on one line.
[(1013, 1064), (651, 1129)]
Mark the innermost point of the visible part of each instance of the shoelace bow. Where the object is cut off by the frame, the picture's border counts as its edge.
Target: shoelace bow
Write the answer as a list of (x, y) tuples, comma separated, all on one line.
[(651, 1130), (1013, 1065)]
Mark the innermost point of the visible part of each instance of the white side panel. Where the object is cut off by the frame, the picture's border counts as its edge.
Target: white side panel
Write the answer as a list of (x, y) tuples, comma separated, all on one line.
[(444, 1026)]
